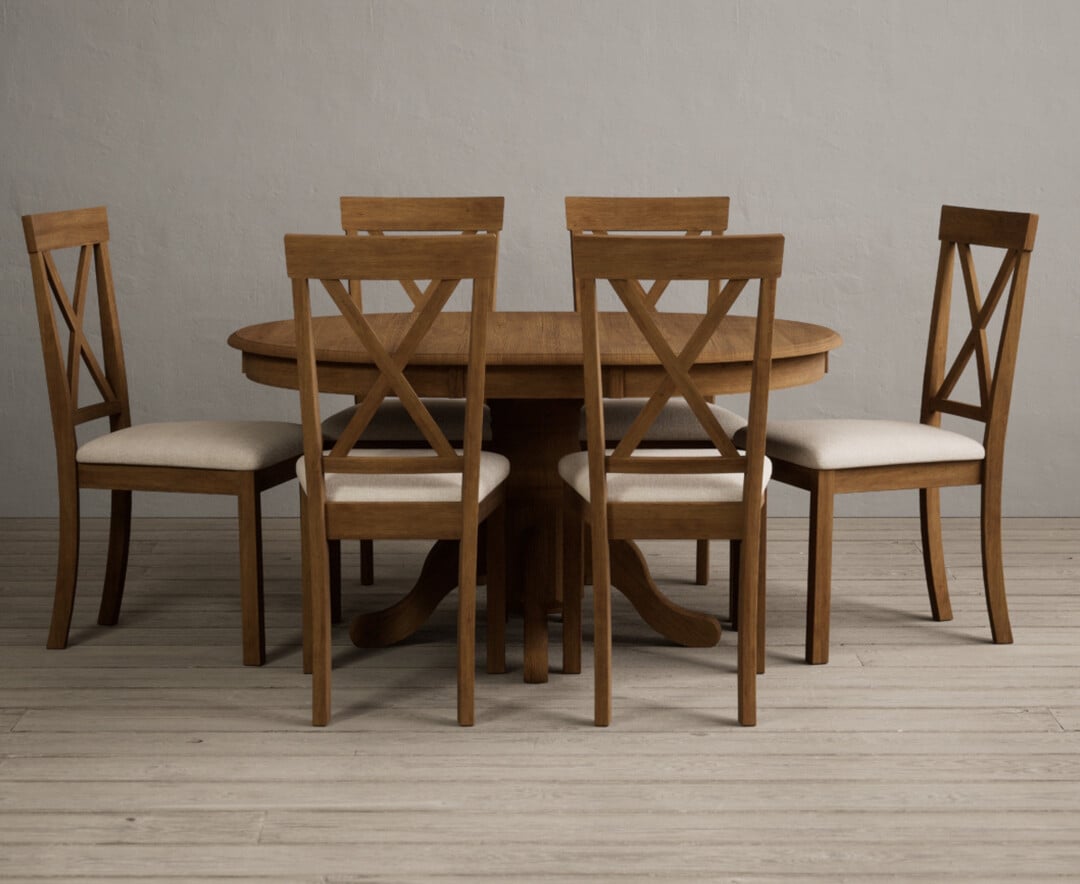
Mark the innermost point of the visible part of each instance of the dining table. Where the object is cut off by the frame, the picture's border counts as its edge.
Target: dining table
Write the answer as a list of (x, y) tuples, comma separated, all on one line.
[(534, 387)]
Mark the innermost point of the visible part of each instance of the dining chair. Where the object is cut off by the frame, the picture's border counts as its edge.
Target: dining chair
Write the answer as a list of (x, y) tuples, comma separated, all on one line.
[(630, 492), (435, 491), (830, 457), (378, 216), (690, 216), (241, 458)]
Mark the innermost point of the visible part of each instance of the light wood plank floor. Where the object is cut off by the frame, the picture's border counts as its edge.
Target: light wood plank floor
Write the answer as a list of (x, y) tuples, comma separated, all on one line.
[(921, 752)]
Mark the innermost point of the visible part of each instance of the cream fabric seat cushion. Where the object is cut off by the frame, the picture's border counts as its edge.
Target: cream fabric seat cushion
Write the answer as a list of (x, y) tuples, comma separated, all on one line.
[(676, 423), (208, 445), (660, 487), (392, 422), (845, 444), (404, 488)]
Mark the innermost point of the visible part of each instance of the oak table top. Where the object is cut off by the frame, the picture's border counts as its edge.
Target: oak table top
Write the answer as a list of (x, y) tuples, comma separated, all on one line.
[(536, 354)]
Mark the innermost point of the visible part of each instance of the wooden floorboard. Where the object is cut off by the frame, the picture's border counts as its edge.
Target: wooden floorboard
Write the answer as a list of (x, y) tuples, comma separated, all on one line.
[(921, 752)]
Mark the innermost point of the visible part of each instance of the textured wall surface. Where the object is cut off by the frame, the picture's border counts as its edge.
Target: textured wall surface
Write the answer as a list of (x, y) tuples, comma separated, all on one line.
[(212, 128)]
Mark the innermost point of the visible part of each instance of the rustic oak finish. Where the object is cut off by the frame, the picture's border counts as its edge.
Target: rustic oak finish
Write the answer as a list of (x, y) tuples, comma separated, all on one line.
[(690, 215), (623, 261), (88, 231), (960, 229), (377, 216), (445, 261)]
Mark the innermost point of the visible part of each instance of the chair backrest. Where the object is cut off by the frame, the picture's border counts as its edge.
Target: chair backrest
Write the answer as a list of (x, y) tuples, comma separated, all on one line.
[(689, 215), (378, 215), (1014, 234), (623, 260), (444, 260), (85, 230)]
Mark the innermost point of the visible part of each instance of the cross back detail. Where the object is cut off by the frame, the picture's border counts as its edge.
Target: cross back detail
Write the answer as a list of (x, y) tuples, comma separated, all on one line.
[(378, 216), (310, 257), (1014, 233), (734, 259), (86, 230)]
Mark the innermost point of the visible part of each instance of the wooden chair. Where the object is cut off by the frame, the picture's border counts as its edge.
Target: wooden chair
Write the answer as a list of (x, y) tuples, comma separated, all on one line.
[(430, 492), (691, 216), (670, 493), (830, 457), (377, 216), (241, 458)]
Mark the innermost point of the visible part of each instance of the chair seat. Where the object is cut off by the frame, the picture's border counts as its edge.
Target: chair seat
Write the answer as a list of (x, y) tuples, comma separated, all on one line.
[(392, 422), (207, 445), (405, 488), (676, 423), (847, 444), (659, 487)]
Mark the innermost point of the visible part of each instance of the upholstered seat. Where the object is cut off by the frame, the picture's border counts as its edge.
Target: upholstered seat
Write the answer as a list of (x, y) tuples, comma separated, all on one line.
[(393, 424), (675, 424), (660, 487), (846, 444), (407, 487), (206, 445)]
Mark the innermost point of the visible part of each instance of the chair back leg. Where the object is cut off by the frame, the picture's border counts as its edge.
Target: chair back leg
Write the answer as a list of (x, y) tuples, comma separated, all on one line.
[(67, 565)]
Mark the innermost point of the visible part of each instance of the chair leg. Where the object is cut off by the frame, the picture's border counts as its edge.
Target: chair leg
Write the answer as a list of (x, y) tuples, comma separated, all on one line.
[(992, 562), (367, 563), (334, 562), (495, 526), (762, 549), (305, 586), (819, 576), (573, 585), (251, 573), (601, 573), (747, 652), (734, 551), (466, 628), (933, 553), (67, 567), (317, 602), (701, 577), (116, 567)]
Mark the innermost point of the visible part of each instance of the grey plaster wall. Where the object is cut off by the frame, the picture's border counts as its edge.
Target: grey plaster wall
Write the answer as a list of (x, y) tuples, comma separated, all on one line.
[(210, 129)]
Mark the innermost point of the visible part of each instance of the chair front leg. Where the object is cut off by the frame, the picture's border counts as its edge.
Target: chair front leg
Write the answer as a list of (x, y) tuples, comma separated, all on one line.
[(934, 553), (112, 593), (251, 573), (819, 572)]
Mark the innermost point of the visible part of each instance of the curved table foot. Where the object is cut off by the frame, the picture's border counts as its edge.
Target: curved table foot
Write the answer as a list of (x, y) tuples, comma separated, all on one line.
[(630, 575), (438, 578)]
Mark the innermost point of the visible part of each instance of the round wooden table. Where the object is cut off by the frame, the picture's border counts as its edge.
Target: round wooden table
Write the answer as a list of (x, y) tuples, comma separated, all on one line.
[(535, 390)]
